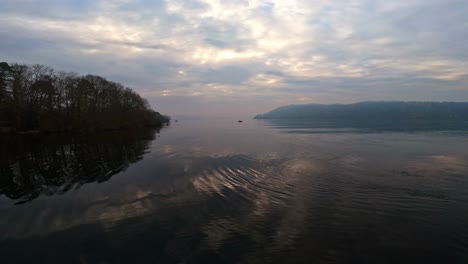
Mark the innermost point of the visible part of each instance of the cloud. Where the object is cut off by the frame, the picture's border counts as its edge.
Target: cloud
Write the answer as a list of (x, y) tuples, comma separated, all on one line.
[(286, 51)]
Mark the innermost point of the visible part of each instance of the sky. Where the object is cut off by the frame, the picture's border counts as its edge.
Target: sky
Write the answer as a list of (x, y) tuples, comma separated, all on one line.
[(244, 57)]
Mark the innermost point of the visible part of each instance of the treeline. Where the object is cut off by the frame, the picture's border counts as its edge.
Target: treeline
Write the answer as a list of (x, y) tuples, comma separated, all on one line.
[(37, 98), (372, 111)]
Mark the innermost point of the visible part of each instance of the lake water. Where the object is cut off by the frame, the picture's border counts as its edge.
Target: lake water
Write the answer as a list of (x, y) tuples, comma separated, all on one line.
[(219, 191)]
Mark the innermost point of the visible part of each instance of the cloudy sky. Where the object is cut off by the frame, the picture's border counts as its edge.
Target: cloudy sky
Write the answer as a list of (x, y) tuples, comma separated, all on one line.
[(242, 57)]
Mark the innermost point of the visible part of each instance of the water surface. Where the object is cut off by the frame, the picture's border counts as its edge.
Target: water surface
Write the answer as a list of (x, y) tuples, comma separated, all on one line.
[(219, 191)]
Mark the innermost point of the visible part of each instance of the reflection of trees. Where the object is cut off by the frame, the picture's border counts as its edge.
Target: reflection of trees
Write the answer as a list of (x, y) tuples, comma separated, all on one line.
[(51, 165), (356, 126)]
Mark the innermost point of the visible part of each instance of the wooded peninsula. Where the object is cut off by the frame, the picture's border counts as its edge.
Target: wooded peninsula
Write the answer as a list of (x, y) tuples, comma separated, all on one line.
[(35, 98)]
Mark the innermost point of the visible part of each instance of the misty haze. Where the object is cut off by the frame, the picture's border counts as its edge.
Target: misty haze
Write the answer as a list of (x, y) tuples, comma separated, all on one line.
[(208, 131)]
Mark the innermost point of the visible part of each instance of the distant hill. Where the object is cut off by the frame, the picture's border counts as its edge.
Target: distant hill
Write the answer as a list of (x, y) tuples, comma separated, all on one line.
[(372, 111)]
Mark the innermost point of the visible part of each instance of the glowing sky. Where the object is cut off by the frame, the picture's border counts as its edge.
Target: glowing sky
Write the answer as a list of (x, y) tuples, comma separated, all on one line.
[(242, 57)]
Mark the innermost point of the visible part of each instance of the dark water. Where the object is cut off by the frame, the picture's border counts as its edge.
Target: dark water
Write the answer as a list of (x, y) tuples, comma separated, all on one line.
[(219, 191)]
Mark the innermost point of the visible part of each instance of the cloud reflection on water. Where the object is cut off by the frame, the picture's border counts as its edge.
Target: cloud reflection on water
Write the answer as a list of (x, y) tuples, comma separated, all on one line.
[(228, 196)]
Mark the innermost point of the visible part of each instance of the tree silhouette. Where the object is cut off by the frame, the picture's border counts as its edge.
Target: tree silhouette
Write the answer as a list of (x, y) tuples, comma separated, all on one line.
[(5, 71), (38, 98)]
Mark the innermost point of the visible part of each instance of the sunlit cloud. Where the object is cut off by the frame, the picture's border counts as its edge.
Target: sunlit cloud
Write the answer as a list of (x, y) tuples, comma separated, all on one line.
[(286, 51)]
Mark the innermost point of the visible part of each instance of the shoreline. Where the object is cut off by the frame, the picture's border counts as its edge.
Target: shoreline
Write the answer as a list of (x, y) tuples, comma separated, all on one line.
[(7, 131)]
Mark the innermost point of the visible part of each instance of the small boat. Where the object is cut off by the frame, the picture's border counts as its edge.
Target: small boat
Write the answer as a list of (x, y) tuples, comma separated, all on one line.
[(240, 121)]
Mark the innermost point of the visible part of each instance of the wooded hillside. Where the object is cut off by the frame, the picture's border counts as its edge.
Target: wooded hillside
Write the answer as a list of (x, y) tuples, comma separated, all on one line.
[(37, 98)]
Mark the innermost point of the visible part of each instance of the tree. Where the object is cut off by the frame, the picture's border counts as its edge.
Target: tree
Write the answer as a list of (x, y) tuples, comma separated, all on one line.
[(5, 72), (36, 97)]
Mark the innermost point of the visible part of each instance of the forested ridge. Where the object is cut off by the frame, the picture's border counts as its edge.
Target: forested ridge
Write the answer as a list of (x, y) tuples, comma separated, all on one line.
[(38, 98), (372, 111)]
